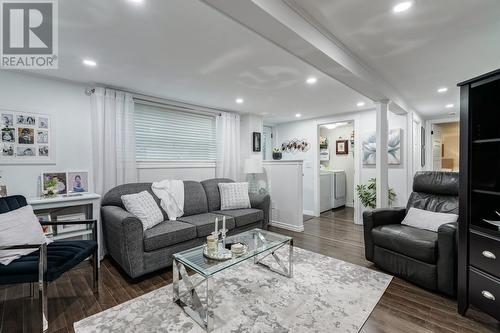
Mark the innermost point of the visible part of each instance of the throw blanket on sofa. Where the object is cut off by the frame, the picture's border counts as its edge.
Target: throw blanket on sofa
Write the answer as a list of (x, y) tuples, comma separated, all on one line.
[(171, 194)]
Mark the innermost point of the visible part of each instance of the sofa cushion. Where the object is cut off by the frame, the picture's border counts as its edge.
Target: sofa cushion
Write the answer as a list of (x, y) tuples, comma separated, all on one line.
[(211, 187), (114, 196), (168, 233), (244, 216), (205, 223), (412, 242), (61, 257), (195, 199)]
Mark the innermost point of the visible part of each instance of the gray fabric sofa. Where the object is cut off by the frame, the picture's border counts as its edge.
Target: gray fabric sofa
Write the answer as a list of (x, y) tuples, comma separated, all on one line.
[(139, 252)]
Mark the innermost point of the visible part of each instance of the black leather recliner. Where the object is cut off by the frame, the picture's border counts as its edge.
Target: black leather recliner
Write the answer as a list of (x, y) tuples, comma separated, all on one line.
[(426, 258)]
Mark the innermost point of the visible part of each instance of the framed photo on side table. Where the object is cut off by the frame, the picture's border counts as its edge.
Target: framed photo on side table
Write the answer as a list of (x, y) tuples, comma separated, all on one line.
[(78, 182), (54, 183)]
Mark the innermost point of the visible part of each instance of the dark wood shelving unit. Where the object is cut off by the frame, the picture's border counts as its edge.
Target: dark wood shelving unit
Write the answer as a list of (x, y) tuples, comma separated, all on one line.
[(479, 238)]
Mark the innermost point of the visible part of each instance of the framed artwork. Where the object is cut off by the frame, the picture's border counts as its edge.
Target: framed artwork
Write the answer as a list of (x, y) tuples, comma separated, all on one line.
[(256, 141), (422, 146), (369, 150), (78, 182), (54, 183), (27, 138), (342, 147)]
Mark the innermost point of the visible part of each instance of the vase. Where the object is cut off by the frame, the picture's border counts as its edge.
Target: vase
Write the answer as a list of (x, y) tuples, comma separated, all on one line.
[(277, 156)]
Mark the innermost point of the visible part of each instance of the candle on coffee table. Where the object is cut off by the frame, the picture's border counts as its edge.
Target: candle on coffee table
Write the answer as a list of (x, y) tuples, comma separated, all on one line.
[(224, 224), (216, 226), (211, 243)]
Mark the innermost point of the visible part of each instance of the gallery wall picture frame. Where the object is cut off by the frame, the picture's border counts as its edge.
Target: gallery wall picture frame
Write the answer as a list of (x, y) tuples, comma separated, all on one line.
[(27, 137), (256, 142), (342, 147)]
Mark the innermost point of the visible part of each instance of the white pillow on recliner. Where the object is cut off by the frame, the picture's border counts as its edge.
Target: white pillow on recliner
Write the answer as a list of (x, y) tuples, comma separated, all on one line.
[(427, 220)]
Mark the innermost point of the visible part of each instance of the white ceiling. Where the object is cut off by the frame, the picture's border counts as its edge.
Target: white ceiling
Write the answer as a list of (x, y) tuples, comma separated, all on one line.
[(185, 50), (434, 44)]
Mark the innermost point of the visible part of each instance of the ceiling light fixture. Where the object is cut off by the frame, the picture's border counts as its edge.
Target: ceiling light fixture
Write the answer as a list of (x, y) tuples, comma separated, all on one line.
[(311, 80), (449, 106), (136, 2), (402, 6), (89, 62), (360, 104), (442, 90), (240, 100), (298, 115)]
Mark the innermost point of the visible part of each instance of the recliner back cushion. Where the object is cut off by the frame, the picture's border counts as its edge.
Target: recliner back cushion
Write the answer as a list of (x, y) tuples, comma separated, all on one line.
[(195, 199), (211, 187), (435, 191)]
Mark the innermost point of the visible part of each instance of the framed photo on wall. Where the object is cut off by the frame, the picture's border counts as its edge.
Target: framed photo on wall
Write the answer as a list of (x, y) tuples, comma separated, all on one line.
[(27, 138), (342, 147), (256, 141)]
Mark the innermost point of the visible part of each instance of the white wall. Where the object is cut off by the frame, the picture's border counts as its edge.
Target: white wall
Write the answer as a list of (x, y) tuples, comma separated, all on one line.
[(341, 162), (69, 108), (183, 171), (364, 124)]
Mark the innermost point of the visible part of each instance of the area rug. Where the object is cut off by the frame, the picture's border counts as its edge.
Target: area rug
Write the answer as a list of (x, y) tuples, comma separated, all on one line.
[(324, 295)]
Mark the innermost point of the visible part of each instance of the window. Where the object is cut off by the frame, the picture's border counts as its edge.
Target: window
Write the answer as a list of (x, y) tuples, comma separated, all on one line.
[(166, 134), (267, 145)]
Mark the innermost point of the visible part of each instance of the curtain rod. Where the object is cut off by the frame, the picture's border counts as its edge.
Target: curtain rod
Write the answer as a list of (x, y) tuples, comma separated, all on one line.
[(178, 105)]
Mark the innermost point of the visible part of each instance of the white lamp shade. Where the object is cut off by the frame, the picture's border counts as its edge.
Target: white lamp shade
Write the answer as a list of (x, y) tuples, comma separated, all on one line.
[(252, 165)]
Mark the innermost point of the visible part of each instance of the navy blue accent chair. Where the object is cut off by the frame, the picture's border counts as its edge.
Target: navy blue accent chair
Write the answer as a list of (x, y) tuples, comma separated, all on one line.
[(49, 262)]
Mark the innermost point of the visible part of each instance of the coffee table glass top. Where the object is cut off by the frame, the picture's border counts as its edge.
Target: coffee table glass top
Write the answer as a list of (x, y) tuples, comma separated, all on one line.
[(257, 240)]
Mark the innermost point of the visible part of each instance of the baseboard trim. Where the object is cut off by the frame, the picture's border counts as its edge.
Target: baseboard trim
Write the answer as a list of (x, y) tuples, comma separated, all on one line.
[(308, 212), (349, 205), (287, 226)]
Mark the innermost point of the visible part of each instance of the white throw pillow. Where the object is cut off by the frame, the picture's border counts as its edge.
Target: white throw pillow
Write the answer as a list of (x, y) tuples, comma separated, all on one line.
[(144, 206), (19, 227), (234, 196), (427, 220)]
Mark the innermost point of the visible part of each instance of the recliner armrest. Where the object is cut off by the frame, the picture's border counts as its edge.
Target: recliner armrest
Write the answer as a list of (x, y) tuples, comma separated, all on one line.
[(263, 202), (447, 258), (378, 217)]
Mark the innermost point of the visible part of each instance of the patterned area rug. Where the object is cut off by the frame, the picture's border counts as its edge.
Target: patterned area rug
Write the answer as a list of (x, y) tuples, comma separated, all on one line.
[(324, 295)]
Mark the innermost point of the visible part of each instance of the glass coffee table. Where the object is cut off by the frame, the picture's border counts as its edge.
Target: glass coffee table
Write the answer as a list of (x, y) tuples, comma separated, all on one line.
[(261, 244)]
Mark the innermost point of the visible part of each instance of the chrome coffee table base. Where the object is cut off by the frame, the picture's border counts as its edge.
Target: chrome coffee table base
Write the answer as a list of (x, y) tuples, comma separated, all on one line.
[(200, 309)]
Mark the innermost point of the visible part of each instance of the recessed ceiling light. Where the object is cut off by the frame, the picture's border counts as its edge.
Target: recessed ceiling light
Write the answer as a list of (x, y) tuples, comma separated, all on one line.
[(402, 6), (452, 113), (298, 115), (136, 2), (240, 100), (442, 90), (360, 104), (311, 80), (89, 62), (449, 106)]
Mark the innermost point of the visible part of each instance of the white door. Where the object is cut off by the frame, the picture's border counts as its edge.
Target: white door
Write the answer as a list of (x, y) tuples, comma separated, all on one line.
[(437, 147)]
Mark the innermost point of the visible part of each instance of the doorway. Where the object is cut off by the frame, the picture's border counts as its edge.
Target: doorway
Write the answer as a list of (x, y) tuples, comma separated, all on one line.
[(445, 146), (336, 165)]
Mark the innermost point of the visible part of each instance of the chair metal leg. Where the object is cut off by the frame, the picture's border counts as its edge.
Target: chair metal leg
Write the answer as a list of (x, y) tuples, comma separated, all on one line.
[(42, 287), (95, 271)]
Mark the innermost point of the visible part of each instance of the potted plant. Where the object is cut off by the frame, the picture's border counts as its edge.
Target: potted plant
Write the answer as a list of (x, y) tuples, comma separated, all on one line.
[(277, 154), (367, 194)]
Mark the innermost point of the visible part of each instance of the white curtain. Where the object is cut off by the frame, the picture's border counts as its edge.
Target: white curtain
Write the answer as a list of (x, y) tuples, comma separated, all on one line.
[(228, 146), (113, 139)]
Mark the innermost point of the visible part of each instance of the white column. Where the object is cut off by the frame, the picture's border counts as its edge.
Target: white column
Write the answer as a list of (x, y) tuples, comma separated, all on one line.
[(382, 167)]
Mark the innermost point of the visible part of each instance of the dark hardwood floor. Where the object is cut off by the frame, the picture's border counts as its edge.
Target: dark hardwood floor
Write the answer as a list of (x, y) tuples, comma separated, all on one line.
[(403, 308)]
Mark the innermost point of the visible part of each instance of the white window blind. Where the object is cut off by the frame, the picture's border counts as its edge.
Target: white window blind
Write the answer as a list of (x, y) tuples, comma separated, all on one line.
[(164, 134)]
